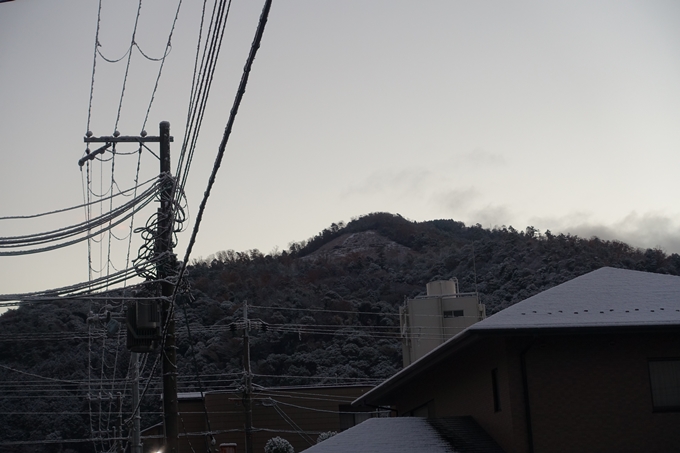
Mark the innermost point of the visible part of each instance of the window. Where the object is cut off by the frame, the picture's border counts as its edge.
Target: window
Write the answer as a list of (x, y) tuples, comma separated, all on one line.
[(664, 376), (494, 385), (453, 313)]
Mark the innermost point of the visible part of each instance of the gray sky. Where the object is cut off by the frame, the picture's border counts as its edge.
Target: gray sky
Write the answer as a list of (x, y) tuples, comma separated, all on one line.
[(561, 115)]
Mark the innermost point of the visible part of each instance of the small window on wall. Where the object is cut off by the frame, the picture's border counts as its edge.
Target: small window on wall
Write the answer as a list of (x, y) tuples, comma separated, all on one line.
[(454, 313), (664, 376)]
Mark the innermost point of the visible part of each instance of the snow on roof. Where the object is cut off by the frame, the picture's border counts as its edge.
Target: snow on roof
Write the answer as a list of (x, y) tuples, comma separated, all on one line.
[(385, 435), (606, 297), (189, 395)]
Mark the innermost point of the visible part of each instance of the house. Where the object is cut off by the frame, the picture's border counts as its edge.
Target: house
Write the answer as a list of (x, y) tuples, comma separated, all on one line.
[(592, 364)]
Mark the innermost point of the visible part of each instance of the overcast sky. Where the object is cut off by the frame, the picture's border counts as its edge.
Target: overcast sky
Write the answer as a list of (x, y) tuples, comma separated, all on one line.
[(561, 115)]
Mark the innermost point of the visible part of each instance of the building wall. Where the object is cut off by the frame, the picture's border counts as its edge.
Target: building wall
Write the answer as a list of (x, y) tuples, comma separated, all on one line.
[(192, 420), (586, 392), (592, 393), (311, 410), (430, 321), (463, 386)]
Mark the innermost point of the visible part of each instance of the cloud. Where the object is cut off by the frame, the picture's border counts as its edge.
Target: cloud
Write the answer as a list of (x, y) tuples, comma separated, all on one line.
[(462, 205), (491, 216), (646, 230), (456, 200), (419, 180), (409, 181), (480, 158)]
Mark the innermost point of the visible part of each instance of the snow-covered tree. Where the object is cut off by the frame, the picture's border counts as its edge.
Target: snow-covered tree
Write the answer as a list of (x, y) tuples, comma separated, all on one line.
[(325, 435), (278, 445)]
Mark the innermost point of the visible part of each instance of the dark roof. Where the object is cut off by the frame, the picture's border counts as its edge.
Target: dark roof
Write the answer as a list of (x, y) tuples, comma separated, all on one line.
[(604, 300)]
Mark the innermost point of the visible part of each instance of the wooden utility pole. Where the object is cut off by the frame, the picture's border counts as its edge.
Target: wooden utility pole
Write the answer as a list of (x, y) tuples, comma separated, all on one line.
[(248, 401), (165, 268)]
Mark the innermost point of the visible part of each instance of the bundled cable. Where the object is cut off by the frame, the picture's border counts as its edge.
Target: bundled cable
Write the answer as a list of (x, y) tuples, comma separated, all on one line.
[(83, 290), (202, 81), (73, 234)]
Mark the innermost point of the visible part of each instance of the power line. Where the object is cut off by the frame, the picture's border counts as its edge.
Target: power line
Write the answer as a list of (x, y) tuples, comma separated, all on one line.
[(82, 290), (71, 208), (120, 214), (127, 66), (201, 84), (347, 312), (168, 48)]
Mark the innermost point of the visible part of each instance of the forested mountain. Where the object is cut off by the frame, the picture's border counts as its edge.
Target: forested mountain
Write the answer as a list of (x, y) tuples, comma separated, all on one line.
[(330, 305)]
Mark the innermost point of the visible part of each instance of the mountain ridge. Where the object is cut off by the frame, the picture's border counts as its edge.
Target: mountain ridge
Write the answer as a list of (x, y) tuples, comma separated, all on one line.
[(331, 305)]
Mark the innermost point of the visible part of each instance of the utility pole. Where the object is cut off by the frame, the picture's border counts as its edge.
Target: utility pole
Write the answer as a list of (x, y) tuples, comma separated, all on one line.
[(249, 380), (165, 268)]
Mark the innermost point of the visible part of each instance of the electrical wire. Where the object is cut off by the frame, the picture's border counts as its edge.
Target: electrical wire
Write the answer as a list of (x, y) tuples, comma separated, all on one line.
[(120, 214), (127, 66), (168, 48), (227, 133), (125, 192), (201, 83)]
